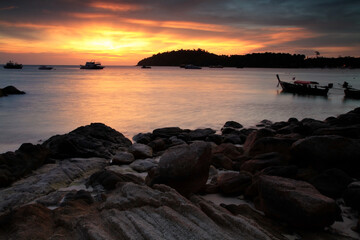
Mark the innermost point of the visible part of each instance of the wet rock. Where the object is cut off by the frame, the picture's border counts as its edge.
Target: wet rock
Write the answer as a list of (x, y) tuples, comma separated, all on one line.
[(143, 138), (261, 161), (271, 144), (166, 132), (234, 183), (352, 195), (9, 90), (184, 167), (94, 140), (296, 203), (281, 171), (79, 195), (332, 182), (324, 152), (121, 158), (15, 165), (255, 136), (109, 179), (141, 151), (233, 124), (221, 161), (143, 165)]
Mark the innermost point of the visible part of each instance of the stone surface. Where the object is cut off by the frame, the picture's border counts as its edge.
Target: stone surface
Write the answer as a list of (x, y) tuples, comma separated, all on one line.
[(296, 203), (184, 167), (271, 144), (141, 151), (261, 161), (324, 152), (255, 136), (121, 158), (331, 182), (166, 132), (233, 124), (352, 195), (94, 140), (143, 165), (234, 183), (281, 171)]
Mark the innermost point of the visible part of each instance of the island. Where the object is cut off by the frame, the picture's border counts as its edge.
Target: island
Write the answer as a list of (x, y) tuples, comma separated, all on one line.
[(203, 58)]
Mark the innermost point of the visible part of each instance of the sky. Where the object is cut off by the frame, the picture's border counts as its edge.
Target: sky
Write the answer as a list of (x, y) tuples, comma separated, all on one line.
[(120, 32)]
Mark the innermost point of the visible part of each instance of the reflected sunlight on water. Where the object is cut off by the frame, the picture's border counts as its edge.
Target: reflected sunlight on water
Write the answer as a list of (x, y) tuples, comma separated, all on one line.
[(132, 100)]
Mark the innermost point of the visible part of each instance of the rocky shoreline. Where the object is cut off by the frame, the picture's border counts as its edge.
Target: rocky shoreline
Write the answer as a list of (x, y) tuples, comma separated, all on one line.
[(296, 179)]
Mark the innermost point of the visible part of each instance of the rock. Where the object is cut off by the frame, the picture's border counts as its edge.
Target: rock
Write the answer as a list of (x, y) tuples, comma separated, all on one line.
[(279, 125), (141, 151), (281, 171), (352, 195), (94, 140), (143, 138), (324, 152), (121, 158), (200, 134), (143, 165), (79, 195), (215, 138), (109, 179), (347, 131), (332, 182), (296, 203), (234, 138), (261, 161), (234, 183), (229, 150), (233, 124), (176, 141), (11, 90), (15, 165), (314, 125), (271, 144), (221, 161), (255, 136), (166, 132), (159, 144), (184, 167)]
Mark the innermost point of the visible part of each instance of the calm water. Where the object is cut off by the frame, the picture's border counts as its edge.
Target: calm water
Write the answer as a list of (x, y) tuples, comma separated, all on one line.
[(133, 100)]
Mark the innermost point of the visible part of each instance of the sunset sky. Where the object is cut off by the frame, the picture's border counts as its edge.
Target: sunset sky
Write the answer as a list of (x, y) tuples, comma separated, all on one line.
[(119, 32)]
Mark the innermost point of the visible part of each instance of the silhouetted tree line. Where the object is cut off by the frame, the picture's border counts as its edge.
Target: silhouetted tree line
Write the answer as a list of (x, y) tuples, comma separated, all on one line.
[(203, 58)]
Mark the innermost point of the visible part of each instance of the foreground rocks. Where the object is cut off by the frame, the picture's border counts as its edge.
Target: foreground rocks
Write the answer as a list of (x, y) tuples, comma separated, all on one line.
[(93, 183)]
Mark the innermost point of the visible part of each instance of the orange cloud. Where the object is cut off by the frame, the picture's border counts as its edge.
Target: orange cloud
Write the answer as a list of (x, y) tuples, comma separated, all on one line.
[(115, 7)]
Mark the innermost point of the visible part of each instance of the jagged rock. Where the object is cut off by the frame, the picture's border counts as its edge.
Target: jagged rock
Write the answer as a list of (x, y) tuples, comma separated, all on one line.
[(332, 182), (143, 165), (234, 183), (324, 152), (109, 179), (233, 124), (15, 165), (94, 140), (166, 132), (352, 195), (183, 167), (296, 203), (271, 144), (281, 171), (261, 161), (121, 158), (47, 179), (143, 138), (141, 151)]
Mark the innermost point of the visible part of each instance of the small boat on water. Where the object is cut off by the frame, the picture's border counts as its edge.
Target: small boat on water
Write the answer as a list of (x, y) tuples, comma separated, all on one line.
[(304, 87), (43, 67), (12, 65), (216, 66), (352, 93), (92, 65), (146, 67), (191, 66)]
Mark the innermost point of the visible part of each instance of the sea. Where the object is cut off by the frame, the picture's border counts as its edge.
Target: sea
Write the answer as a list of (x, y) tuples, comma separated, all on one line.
[(133, 100)]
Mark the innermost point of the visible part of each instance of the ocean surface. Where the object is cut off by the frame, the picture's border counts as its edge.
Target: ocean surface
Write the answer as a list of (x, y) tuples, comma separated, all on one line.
[(133, 100)]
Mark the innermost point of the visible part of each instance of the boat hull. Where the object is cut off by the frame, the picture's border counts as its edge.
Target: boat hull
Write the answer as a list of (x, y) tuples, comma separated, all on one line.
[(94, 67), (305, 90), (352, 93)]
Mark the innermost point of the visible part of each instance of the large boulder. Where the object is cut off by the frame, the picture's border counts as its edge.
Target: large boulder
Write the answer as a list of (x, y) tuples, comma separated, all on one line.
[(184, 167), (346, 131), (254, 136), (141, 151), (234, 183), (261, 161), (94, 140), (232, 124), (352, 195), (296, 203), (324, 152), (166, 132), (271, 144), (121, 158), (332, 182)]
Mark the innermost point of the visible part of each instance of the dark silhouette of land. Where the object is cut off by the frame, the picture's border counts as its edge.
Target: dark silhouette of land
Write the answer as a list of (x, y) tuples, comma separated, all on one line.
[(203, 58)]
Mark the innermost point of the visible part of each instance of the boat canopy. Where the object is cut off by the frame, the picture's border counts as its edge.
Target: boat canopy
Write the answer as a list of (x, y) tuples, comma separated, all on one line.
[(305, 82)]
